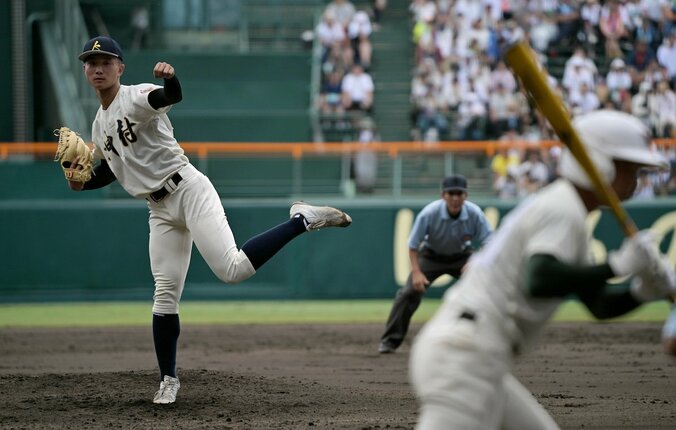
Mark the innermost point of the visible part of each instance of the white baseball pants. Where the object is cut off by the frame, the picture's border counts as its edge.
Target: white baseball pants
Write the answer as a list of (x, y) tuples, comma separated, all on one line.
[(192, 213), (461, 374)]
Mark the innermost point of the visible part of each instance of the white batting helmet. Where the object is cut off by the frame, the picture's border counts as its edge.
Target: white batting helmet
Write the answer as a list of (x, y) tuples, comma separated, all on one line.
[(609, 135)]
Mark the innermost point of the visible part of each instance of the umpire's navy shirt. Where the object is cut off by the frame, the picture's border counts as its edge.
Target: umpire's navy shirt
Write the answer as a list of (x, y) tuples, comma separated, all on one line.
[(435, 229)]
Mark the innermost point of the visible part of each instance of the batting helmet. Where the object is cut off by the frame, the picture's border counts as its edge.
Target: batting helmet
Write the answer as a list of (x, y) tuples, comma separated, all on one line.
[(609, 135)]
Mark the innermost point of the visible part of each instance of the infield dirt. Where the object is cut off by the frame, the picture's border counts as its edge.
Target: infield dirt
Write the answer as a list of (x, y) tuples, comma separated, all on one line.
[(589, 376)]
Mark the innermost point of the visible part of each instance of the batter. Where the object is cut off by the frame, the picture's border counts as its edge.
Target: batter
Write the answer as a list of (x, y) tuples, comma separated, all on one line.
[(460, 364), (135, 144)]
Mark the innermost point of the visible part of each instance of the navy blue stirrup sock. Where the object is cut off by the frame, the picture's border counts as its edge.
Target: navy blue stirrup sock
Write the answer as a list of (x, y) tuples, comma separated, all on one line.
[(262, 247), (166, 329)]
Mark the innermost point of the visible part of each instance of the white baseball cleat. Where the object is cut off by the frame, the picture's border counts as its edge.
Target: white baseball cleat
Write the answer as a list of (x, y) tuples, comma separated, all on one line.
[(167, 392), (318, 217)]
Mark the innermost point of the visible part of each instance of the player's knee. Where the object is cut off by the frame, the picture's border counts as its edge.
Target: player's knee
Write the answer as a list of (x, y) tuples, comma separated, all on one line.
[(233, 276), (166, 296), (165, 304), (237, 268)]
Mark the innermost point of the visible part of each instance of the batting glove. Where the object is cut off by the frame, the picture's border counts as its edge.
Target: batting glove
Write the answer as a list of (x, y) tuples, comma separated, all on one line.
[(637, 254), (655, 283)]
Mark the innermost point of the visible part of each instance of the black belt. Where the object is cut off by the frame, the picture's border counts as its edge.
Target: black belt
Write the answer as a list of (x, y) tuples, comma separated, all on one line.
[(158, 195), (444, 258), (467, 315)]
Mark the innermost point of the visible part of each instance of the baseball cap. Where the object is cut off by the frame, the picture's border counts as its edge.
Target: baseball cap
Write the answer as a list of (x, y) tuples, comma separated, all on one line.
[(454, 183), (101, 45)]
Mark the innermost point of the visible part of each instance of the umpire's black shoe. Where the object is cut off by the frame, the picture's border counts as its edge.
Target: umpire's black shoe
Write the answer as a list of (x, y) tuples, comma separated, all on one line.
[(386, 348)]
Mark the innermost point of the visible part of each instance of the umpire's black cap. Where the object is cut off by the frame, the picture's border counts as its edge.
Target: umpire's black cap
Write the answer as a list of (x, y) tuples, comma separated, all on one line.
[(101, 45), (454, 183)]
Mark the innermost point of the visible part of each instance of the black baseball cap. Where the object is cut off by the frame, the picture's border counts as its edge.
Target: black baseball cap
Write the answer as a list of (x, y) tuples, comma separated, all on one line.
[(454, 183), (101, 45)]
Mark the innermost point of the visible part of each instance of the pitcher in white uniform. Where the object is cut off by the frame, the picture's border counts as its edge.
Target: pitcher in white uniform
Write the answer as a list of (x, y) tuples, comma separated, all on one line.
[(134, 141), (461, 361)]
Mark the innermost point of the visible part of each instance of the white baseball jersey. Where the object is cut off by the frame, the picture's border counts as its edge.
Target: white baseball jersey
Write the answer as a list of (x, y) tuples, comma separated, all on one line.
[(460, 365), (137, 141), (551, 222)]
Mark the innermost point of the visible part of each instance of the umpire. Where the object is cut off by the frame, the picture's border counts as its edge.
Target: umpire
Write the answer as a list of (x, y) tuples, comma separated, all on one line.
[(440, 242)]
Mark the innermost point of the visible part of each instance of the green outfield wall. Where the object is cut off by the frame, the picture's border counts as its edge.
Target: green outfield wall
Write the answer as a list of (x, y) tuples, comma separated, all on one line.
[(83, 249)]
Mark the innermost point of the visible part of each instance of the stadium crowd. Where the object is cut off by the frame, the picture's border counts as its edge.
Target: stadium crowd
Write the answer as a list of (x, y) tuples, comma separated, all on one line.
[(601, 54), (618, 55), (346, 85)]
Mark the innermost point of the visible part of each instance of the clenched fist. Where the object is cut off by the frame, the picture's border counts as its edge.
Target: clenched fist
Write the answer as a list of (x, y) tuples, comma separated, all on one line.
[(163, 70)]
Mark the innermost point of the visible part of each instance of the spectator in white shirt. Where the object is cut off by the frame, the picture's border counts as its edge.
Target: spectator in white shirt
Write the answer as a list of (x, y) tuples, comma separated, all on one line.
[(640, 102), (444, 37), (330, 33), (492, 10), (666, 54), (358, 89), (533, 173), (618, 77), (342, 11), (663, 110), (472, 117), (451, 91), (359, 31), (501, 75), (578, 75), (543, 30), (431, 115), (468, 11), (585, 99), (423, 10), (590, 14), (579, 53), (503, 113), (659, 12), (479, 33)]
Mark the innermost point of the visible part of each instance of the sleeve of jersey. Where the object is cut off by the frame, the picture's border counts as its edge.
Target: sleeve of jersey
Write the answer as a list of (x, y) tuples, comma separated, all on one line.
[(143, 111), (558, 234), (418, 231)]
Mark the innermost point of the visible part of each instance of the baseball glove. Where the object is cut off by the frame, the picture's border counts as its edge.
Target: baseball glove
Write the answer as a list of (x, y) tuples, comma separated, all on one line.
[(71, 146)]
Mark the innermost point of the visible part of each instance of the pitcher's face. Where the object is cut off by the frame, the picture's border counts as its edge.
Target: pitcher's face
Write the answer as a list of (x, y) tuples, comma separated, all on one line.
[(103, 71)]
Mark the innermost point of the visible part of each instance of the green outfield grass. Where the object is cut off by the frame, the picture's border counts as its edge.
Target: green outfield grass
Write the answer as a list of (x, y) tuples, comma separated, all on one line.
[(107, 314)]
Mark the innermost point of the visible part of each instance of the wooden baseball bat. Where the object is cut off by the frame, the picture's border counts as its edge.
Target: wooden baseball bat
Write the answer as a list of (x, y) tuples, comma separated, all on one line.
[(521, 59)]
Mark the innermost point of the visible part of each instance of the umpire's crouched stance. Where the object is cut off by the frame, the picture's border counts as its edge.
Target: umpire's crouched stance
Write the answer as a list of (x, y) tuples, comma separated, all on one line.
[(440, 242)]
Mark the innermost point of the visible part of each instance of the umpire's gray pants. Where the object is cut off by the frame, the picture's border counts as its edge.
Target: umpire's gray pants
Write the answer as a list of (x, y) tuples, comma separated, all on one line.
[(407, 299)]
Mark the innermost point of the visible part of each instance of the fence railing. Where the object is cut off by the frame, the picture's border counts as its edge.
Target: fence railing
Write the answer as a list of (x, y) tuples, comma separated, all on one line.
[(299, 149), (271, 169)]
